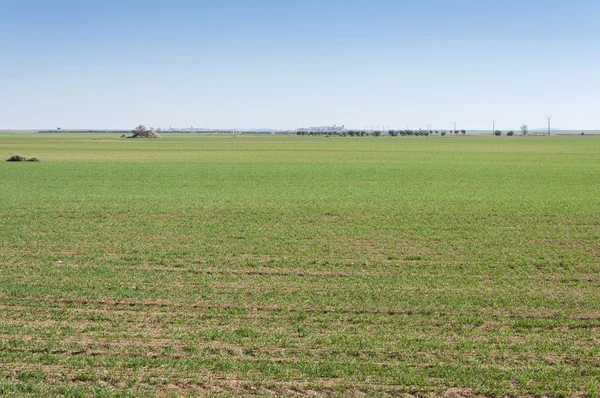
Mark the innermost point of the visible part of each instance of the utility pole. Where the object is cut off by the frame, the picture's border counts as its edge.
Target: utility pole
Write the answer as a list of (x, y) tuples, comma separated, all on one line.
[(493, 127), (549, 117)]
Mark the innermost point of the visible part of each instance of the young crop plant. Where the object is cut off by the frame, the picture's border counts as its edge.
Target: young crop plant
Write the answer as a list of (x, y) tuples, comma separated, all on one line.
[(290, 265)]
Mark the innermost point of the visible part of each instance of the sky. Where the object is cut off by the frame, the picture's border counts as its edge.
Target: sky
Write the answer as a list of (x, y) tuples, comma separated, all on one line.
[(289, 64)]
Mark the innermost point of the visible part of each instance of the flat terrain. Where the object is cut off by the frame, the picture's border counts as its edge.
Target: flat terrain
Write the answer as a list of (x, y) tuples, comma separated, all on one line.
[(295, 265)]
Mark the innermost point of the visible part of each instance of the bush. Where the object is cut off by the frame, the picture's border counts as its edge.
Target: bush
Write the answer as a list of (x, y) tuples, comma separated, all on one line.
[(443, 133), (21, 158), (510, 133), (16, 158), (497, 133), (142, 132)]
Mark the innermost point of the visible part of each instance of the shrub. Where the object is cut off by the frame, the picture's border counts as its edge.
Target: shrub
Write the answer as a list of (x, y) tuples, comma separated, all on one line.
[(16, 158), (443, 133), (21, 158), (142, 132), (510, 133), (497, 132)]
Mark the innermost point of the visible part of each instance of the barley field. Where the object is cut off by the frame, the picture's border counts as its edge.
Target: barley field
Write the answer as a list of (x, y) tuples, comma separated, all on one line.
[(282, 265)]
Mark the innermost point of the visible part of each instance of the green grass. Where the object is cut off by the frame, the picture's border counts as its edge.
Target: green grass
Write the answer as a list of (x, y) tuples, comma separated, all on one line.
[(283, 265)]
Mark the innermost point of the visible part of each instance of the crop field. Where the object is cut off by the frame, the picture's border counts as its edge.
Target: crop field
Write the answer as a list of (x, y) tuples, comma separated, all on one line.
[(283, 265)]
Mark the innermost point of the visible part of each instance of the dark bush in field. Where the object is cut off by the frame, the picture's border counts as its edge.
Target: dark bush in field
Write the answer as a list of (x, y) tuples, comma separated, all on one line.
[(21, 158), (16, 158), (510, 133), (497, 132)]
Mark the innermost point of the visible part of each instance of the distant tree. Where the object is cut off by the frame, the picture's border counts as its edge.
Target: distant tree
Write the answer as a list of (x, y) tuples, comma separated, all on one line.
[(139, 129), (443, 133), (524, 129), (142, 132), (510, 133), (463, 131), (376, 133), (497, 132)]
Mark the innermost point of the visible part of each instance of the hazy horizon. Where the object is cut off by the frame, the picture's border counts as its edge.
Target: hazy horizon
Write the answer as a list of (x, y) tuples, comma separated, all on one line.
[(234, 64), (268, 129)]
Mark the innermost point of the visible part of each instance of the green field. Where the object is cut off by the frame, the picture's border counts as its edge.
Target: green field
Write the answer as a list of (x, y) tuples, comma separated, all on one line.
[(282, 265)]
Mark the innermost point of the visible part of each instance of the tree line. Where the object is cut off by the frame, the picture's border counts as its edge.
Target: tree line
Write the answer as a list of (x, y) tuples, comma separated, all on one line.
[(377, 133), (397, 133)]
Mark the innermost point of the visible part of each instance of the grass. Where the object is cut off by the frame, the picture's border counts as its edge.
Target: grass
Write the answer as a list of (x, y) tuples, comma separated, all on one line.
[(295, 265)]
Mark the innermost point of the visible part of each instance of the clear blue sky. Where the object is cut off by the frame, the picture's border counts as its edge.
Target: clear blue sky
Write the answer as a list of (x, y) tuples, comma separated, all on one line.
[(285, 64)]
